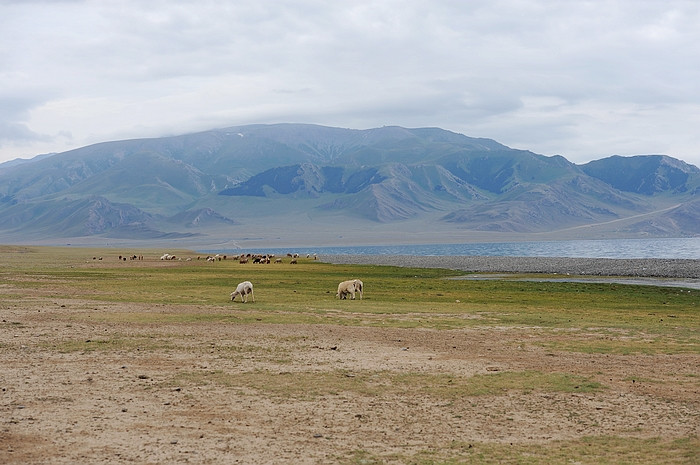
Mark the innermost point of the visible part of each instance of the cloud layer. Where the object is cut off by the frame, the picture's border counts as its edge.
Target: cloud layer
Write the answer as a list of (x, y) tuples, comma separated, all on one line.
[(580, 79)]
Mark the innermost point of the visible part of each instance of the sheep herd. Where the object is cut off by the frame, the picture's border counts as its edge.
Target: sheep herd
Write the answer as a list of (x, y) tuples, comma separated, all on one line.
[(350, 288), (242, 258)]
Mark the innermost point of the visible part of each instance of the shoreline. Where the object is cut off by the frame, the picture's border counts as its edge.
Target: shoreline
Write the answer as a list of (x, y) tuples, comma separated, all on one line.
[(622, 267)]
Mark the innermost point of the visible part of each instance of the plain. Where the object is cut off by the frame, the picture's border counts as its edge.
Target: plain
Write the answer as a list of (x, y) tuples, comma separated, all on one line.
[(109, 359)]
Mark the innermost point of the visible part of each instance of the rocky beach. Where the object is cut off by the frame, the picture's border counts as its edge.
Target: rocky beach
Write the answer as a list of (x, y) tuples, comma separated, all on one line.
[(686, 269)]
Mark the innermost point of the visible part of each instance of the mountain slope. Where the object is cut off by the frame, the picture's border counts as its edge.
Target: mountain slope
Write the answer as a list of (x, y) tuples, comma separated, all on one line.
[(91, 216), (645, 174), (291, 179)]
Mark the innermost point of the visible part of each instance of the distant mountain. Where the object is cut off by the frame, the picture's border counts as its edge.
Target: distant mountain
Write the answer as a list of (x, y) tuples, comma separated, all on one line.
[(200, 218), (21, 161), (88, 216), (312, 184), (648, 175)]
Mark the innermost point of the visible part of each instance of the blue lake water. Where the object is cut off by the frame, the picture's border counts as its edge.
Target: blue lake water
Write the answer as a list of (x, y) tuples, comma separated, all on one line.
[(688, 248)]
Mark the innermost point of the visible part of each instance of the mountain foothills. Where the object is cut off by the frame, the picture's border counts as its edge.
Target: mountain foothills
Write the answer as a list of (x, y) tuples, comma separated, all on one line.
[(313, 185)]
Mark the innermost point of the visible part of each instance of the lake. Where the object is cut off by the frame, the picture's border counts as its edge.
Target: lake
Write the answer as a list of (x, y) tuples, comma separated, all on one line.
[(688, 248)]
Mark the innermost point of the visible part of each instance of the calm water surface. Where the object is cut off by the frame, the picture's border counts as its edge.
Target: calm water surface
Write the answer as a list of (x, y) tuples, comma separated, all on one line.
[(614, 248)]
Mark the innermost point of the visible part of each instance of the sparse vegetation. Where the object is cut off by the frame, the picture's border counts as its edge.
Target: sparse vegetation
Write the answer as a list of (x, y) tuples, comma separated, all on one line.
[(599, 450), (479, 372)]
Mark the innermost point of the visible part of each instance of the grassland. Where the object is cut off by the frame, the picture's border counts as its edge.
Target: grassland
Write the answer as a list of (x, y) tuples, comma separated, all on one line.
[(149, 361)]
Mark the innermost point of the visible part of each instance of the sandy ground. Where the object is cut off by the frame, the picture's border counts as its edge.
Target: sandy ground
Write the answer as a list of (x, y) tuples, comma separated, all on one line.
[(186, 392)]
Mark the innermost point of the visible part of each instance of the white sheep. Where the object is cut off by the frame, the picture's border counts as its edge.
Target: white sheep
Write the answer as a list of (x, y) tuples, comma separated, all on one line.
[(351, 287), (359, 285), (243, 289)]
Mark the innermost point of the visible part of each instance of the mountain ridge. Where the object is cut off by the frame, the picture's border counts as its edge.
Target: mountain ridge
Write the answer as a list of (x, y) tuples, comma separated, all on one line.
[(231, 182)]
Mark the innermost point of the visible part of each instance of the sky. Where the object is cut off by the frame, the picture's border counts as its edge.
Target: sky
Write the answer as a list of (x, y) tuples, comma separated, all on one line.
[(581, 79)]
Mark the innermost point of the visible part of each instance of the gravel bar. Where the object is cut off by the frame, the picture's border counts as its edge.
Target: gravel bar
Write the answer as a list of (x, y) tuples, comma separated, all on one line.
[(633, 267)]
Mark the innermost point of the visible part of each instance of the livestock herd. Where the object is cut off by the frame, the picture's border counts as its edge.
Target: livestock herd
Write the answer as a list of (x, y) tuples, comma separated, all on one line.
[(241, 258), (351, 288)]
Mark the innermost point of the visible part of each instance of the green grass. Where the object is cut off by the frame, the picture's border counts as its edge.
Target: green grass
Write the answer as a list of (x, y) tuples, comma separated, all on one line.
[(599, 450), (310, 385), (305, 293), (629, 346), (117, 343)]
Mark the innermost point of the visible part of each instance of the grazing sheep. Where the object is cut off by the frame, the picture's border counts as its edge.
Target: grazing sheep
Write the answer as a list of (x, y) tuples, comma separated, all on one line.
[(243, 289), (359, 285), (345, 288), (351, 287)]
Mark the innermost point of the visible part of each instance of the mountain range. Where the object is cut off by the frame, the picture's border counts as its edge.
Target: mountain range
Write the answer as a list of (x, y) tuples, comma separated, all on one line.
[(311, 185)]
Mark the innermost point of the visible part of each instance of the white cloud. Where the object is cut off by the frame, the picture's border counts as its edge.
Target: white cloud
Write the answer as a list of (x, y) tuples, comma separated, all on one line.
[(580, 79)]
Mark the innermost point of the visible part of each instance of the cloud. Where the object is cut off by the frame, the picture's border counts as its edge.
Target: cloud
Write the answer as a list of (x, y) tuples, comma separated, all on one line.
[(19, 133), (14, 113), (553, 77)]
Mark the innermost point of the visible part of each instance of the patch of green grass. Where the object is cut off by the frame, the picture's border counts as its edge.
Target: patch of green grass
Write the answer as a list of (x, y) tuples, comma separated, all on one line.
[(279, 385), (599, 450), (651, 346), (305, 293), (116, 343), (187, 318), (311, 385), (446, 386)]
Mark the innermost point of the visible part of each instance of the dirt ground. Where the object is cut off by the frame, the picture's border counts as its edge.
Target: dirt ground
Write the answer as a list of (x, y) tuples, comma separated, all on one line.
[(174, 397)]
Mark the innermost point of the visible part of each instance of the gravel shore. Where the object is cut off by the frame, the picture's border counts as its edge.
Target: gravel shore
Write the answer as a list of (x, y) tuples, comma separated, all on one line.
[(642, 267)]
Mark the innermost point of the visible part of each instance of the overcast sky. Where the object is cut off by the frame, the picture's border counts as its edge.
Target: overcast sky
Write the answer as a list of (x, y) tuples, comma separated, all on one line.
[(582, 79)]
